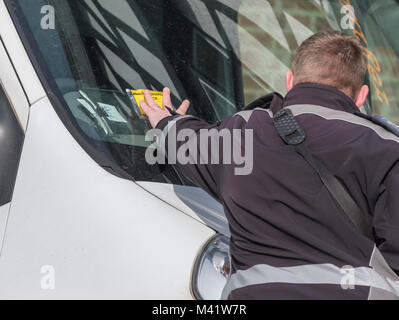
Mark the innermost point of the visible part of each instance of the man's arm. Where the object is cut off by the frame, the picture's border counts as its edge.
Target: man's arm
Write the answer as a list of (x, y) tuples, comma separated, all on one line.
[(198, 167)]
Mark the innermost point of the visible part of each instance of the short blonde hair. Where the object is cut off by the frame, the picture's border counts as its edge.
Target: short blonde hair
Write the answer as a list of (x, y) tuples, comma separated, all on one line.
[(332, 58)]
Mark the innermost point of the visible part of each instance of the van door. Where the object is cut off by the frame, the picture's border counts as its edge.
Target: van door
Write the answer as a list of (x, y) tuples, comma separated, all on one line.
[(12, 125)]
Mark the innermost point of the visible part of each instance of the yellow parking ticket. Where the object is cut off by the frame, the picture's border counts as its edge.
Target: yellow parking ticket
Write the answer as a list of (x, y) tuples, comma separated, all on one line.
[(138, 95)]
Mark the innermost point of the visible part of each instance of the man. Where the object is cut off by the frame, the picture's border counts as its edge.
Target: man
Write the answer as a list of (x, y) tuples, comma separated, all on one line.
[(289, 237)]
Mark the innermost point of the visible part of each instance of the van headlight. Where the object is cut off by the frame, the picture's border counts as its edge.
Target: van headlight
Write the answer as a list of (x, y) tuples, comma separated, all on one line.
[(212, 269)]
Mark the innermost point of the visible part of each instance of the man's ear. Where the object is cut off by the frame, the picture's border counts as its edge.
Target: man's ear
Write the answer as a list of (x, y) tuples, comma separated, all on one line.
[(289, 80), (362, 96)]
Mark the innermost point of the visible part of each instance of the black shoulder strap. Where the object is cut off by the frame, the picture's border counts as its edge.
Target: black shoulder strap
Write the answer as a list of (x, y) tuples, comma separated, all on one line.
[(290, 131)]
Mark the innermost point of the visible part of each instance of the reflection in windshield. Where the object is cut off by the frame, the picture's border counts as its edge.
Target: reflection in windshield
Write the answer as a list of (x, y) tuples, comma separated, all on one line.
[(221, 54)]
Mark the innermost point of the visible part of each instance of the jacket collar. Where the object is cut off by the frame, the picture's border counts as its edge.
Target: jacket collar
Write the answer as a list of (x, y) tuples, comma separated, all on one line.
[(322, 95)]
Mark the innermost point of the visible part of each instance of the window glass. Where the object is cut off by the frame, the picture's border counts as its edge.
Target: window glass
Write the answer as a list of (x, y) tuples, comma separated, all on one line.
[(221, 54), (11, 140)]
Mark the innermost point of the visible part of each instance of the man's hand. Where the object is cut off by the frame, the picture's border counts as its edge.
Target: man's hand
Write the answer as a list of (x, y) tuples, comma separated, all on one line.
[(154, 113)]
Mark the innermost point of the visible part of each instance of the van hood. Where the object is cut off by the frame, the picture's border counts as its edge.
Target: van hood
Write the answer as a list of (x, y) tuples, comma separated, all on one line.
[(192, 201)]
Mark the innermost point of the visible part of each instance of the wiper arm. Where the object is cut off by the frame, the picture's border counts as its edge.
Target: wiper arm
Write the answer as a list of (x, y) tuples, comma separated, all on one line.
[(99, 116)]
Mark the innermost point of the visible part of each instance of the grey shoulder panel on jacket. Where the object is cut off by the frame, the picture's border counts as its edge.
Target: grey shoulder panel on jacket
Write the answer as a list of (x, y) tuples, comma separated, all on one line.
[(331, 114), (247, 114), (328, 114)]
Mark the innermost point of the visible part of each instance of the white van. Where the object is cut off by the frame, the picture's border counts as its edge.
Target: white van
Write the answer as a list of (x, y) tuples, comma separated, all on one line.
[(82, 215)]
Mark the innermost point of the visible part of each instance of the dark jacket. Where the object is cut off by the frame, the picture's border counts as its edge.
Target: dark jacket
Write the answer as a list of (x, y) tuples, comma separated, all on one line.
[(282, 218)]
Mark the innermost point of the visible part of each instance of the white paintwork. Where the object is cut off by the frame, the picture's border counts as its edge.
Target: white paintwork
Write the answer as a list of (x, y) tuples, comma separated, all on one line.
[(105, 237), (165, 192), (20, 59), (3, 221), (192, 201), (12, 86)]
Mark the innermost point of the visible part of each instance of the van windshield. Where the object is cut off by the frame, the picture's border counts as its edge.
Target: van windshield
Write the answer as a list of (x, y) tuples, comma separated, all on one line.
[(220, 54)]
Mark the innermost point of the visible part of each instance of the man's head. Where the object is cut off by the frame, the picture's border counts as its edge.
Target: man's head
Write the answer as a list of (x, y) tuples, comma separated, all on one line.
[(334, 59)]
